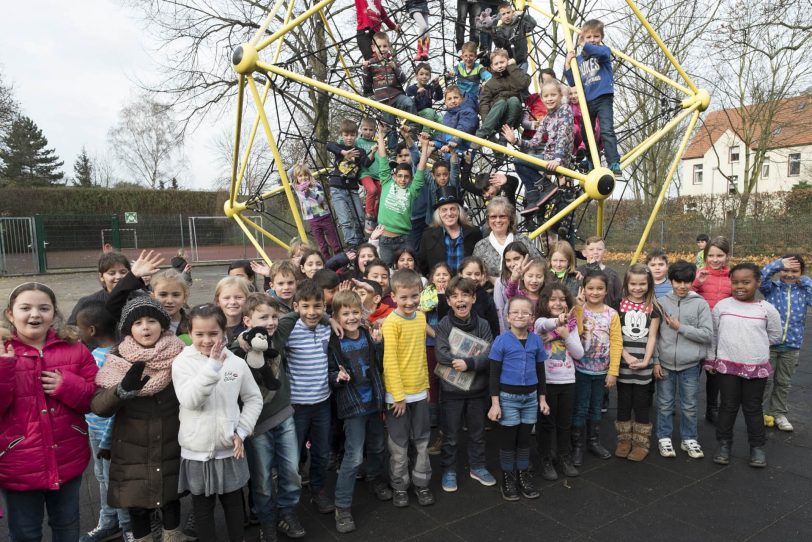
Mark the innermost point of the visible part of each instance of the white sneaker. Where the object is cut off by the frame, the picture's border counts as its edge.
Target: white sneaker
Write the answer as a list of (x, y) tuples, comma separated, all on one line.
[(666, 448), (693, 449), (782, 423)]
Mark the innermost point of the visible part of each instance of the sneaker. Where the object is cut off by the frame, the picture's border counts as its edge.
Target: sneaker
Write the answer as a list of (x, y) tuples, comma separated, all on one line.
[(758, 458), (436, 445), (666, 448), (481, 475), (449, 481), (290, 526), (424, 495), (128, 536), (100, 534), (615, 167), (267, 533), (782, 423), (369, 225), (381, 490), (547, 470), (693, 449), (400, 498), (322, 502), (344, 521)]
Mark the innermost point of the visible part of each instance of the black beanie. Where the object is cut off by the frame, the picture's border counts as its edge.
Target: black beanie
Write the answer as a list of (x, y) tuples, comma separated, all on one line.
[(139, 307)]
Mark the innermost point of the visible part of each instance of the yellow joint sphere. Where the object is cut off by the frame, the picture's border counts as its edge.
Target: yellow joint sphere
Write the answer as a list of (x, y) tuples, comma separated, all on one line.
[(244, 58), (703, 97), (230, 210), (600, 183)]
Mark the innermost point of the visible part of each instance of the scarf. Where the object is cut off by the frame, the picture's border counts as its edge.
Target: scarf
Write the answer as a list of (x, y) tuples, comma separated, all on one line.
[(500, 248), (158, 361)]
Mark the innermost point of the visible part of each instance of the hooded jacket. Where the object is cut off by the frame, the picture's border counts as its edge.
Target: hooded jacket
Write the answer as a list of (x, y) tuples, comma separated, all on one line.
[(43, 438), (686, 347), (463, 118), (513, 81), (716, 286), (791, 302)]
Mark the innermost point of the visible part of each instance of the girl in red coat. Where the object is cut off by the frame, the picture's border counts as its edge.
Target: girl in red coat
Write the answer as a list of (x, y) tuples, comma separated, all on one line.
[(713, 283), (47, 380), (370, 15)]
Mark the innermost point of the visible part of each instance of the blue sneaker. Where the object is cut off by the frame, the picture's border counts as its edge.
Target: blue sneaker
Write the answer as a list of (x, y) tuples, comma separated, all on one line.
[(482, 476), (449, 481), (615, 167)]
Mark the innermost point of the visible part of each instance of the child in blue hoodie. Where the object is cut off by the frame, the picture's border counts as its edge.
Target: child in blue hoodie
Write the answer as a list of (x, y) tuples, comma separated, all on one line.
[(595, 67), (461, 114), (790, 295)]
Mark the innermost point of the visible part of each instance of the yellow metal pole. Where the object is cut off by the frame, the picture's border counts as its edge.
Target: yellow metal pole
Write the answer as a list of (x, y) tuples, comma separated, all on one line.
[(350, 78), (662, 46), (531, 48), (666, 184), (266, 23), (577, 175), (251, 138), (599, 219), (265, 232), (559, 215), (248, 233), (656, 136), (286, 20), (594, 152), (293, 24), (232, 197), (283, 175)]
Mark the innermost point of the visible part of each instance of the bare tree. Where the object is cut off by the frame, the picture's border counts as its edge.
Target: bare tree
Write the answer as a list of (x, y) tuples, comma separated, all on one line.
[(762, 62), (9, 108), (103, 173), (147, 141)]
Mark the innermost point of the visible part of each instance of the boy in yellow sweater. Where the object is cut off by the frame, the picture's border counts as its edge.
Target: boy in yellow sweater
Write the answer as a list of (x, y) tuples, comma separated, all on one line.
[(406, 377)]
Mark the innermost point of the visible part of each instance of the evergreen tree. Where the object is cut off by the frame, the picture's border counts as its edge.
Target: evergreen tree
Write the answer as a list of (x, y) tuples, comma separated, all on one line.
[(83, 170), (26, 158)]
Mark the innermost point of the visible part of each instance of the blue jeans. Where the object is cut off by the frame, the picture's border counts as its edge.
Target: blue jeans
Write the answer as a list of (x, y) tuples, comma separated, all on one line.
[(388, 246), (518, 408), (360, 432), (588, 398), (26, 508), (349, 219), (602, 109), (530, 175), (313, 424), (404, 103), (687, 381), (275, 448), (108, 516)]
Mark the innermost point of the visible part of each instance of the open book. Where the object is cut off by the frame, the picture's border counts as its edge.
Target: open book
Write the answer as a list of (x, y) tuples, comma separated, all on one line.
[(463, 345)]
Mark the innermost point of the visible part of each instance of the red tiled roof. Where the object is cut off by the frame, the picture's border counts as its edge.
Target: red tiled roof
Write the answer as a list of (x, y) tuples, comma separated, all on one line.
[(791, 125)]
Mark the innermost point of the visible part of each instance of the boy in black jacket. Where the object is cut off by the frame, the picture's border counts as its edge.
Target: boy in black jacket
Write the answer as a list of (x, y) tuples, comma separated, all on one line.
[(349, 159), (354, 372), (455, 402)]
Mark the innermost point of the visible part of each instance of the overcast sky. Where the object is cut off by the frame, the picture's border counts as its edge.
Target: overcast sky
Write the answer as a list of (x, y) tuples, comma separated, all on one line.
[(73, 66)]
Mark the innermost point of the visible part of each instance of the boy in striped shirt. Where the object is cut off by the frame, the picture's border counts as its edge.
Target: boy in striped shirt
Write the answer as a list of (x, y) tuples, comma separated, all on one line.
[(406, 378), (302, 337)]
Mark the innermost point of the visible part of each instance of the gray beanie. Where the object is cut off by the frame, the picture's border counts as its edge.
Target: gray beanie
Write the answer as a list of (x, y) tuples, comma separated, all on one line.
[(139, 307)]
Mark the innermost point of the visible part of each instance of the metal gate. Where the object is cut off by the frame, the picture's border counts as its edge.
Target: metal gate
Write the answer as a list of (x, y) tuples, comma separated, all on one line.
[(219, 238), (18, 246)]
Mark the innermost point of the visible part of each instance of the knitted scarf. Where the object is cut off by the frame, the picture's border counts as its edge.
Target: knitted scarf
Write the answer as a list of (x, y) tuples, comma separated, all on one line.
[(158, 361)]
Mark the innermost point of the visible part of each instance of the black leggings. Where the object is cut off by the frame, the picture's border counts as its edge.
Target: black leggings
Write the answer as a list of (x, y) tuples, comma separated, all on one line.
[(514, 446), (561, 399), (232, 508), (633, 397), (745, 393), (364, 39), (140, 518)]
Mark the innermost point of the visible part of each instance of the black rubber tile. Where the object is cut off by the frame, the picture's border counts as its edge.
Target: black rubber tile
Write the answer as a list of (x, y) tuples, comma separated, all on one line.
[(641, 482), (651, 523), (511, 522)]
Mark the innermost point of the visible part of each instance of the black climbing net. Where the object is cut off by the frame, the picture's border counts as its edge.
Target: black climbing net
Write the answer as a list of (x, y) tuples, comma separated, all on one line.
[(339, 62)]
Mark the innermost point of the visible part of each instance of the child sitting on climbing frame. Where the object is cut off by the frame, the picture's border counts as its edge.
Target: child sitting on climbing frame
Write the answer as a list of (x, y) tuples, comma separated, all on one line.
[(500, 99)]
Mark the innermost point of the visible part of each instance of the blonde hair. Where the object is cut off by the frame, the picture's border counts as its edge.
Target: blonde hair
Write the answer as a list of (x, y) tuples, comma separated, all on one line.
[(297, 245), (63, 331), (301, 169), (499, 52), (231, 282), (463, 216), (169, 275), (566, 249)]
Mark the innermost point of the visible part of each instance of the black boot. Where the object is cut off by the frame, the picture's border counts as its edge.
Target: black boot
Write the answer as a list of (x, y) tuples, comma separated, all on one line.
[(593, 441), (526, 486), (547, 470), (577, 446), (510, 488), (567, 466), (722, 455)]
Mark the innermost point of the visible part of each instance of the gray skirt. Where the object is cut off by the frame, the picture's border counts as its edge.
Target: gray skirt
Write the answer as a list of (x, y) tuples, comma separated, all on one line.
[(212, 477)]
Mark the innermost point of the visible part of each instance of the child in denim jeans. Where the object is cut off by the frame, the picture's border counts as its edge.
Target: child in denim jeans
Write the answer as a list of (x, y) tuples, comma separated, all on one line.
[(517, 388), (97, 329)]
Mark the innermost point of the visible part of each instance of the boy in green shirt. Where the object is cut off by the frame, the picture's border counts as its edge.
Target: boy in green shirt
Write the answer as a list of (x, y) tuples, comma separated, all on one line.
[(398, 195)]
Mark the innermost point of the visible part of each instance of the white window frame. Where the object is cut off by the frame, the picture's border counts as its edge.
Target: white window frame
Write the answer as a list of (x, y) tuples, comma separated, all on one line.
[(733, 185), (698, 172), (765, 169), (793, 158), (731, 150)]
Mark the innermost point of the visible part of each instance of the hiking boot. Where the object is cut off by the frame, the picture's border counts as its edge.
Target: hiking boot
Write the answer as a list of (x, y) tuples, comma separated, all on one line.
[(344, 521), (577, 439), (322, 502), (290, 526), (593, 441), (101, 534), (547, 470), (381, 490), (641, 442), (526, 487), (424, 495), (567, 467), (400, 498), (758, 458), (436, 445), (624, 438), (722, 455), (481, 475), (510, 487)]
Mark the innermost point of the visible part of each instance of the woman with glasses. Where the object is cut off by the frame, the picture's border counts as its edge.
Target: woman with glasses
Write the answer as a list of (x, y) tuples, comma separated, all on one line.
[(501, 217), (451, 237)]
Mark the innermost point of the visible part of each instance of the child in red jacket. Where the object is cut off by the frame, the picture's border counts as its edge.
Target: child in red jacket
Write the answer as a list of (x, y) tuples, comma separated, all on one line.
[(370, 16), (47, 379)]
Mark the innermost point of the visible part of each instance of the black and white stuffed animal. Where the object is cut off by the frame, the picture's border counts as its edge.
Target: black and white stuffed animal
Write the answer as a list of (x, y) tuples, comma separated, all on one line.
[(261, 357)]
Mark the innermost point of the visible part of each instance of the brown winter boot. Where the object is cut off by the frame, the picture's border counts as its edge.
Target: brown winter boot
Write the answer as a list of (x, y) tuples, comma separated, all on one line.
[(641, 441), (624, 438)]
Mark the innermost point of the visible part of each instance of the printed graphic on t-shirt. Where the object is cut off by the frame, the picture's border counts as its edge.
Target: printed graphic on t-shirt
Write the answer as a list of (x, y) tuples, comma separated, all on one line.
[(397, 200), (589, 70)]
